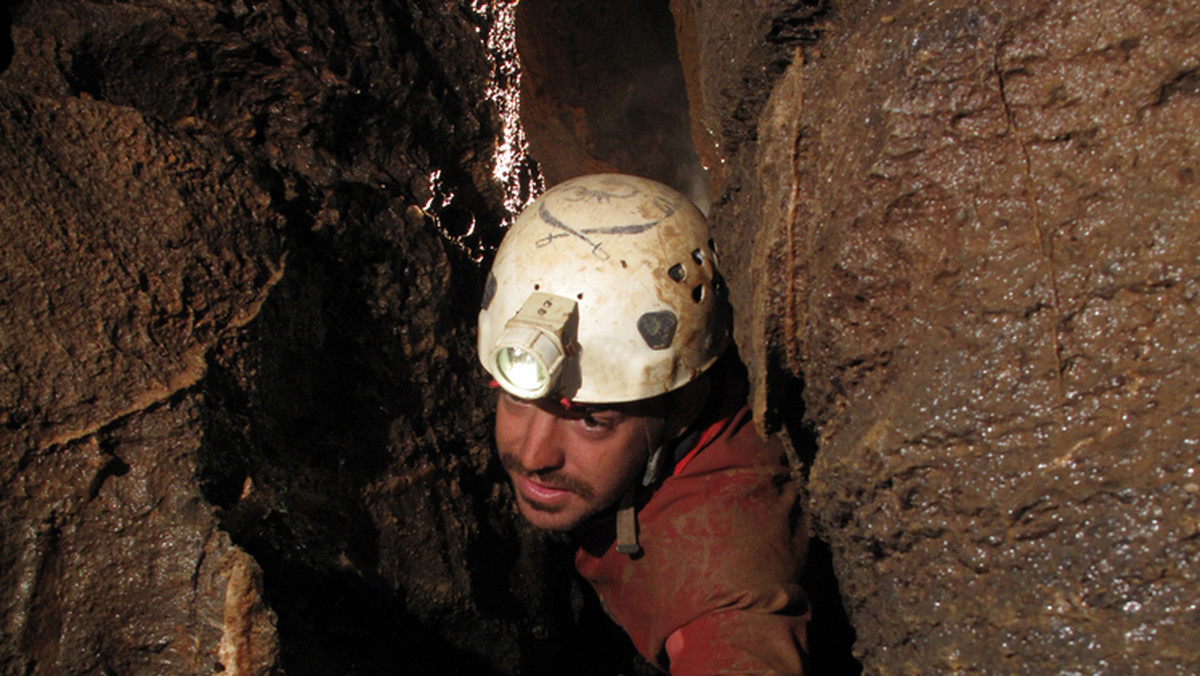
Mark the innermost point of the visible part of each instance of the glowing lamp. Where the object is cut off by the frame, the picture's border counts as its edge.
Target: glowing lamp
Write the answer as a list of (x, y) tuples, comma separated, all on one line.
[(529, 356)]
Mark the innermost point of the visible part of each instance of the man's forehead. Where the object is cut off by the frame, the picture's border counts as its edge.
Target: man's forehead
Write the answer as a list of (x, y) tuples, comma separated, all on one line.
[(565, 407), (641, 407)]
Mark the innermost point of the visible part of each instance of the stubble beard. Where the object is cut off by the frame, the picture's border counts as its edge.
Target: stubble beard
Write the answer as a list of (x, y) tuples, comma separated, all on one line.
[(582, 491)]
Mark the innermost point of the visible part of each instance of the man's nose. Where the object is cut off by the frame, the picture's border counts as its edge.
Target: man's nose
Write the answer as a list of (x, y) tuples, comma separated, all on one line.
[(541, 448)]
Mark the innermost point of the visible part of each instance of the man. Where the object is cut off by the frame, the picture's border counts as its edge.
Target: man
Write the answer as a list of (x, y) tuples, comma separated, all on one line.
[(623, 422)]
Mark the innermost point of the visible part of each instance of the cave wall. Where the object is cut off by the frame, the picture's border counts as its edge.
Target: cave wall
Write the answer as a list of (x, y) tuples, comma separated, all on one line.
[(979, 229), (241, 427)]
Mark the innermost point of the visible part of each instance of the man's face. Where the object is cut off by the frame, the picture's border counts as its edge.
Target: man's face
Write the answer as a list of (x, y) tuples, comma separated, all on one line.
[(567, 465)]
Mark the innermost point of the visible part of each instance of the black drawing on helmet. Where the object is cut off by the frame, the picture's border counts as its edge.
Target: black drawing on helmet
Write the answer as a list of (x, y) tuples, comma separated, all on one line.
[(581, 194)]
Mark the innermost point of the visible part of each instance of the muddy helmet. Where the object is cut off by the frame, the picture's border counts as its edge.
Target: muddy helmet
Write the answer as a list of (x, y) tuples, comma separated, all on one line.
[(604, 290)]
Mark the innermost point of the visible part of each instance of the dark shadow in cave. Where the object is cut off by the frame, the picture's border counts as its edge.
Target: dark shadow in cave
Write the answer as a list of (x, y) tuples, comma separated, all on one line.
[(297, 424), (6, 41), (286, 447), (602, 89), (830, 636)]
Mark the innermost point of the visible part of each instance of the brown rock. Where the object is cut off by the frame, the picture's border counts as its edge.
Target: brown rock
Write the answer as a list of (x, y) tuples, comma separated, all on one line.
[(989, 235), (118, 272), (112, 557), (218, 461)]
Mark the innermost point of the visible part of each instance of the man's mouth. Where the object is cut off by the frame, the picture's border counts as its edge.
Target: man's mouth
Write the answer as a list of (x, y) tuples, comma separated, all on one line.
[(545, 492), (540, 494)]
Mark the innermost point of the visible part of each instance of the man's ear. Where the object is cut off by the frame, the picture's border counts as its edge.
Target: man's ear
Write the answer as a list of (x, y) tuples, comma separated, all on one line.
[(685, 405)]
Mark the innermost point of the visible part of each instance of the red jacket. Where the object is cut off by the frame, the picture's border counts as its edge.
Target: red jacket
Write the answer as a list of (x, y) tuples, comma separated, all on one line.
[(723, 541)]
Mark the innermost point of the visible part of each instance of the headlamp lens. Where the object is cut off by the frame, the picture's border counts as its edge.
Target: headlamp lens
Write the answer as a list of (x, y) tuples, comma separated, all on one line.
[(523, 370), (529, 354)]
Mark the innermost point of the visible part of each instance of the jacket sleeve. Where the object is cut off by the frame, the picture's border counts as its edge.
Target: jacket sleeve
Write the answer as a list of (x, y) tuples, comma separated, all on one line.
[(753, 636), (737, 606)]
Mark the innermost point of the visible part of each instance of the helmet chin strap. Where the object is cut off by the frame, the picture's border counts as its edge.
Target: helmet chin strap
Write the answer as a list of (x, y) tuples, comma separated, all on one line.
[(627, 529), (661, 460), (627, 535)]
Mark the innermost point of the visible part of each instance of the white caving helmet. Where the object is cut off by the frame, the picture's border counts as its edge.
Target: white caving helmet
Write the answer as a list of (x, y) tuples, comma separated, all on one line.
[(604, 290)]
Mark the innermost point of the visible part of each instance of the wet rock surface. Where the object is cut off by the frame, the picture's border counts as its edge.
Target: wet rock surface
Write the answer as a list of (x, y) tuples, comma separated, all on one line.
[(242, 427), (987, 220)]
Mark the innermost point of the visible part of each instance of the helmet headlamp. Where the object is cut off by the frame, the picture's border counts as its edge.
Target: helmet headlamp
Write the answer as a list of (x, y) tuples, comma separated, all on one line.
[(529, 356)]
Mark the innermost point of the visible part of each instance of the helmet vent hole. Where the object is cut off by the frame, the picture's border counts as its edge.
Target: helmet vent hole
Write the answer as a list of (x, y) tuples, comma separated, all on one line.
[(537, 287), (698, 293), (677, 272), (658, 328), (698, 257), (579, 296)]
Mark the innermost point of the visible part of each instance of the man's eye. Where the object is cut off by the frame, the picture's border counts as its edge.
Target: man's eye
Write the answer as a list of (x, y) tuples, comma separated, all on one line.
[(598, 422)]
